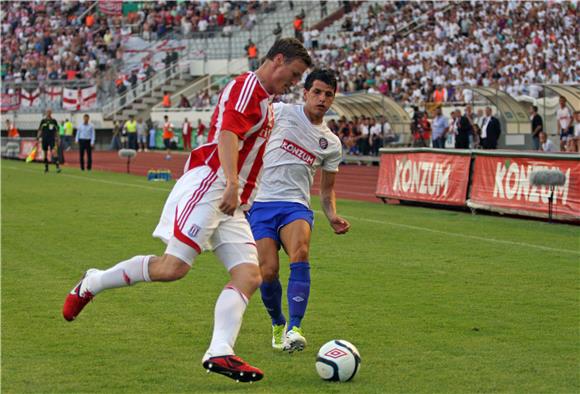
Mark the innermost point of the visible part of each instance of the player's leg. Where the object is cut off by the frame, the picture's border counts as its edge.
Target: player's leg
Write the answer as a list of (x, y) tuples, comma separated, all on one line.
[(295, 237), (263, 218), (137, 269), (173, 265), (229, 311), (271, 288)]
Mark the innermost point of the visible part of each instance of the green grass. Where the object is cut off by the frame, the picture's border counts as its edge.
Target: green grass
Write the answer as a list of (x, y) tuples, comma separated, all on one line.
[(435, 300)]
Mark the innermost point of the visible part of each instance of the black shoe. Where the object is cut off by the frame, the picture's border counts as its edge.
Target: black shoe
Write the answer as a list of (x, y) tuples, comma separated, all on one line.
[(58, 170)]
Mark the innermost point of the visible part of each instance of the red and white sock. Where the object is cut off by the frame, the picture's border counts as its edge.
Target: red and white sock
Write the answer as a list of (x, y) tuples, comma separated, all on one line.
[(229, 312), (126, 273)]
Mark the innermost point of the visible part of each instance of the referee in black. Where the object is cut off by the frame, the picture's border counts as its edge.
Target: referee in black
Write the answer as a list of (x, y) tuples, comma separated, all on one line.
[(48, 133)]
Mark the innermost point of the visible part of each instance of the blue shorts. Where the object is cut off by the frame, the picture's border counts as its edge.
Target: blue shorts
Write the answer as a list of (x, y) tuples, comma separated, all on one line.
[(267, 218)]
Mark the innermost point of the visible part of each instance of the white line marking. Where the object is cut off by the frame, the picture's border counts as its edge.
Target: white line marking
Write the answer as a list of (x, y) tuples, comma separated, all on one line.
[(458, 235), (86, 178), (406, 226)]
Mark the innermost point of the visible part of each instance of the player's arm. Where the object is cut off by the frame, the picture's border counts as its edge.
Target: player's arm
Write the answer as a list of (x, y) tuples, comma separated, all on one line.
[(328, 200), (228, 154), (39, 132)]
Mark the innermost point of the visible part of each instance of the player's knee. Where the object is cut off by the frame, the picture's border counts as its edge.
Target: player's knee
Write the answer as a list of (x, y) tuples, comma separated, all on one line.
[(255, 279), (269, 273), (300, 253), (168, 268)]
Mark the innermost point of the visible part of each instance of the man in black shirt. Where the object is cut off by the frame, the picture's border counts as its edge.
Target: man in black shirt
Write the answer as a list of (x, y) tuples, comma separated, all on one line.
[(537, 127), (48, 133)]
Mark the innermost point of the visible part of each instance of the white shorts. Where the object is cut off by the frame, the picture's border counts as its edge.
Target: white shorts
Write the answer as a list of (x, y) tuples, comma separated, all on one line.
[(191, 222)]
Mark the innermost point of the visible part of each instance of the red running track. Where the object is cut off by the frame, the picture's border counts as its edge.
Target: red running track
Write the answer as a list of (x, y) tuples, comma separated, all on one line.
[(353, 182)]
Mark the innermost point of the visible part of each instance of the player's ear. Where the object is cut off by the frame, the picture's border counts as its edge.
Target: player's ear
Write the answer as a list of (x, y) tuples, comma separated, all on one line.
[(279, 59)]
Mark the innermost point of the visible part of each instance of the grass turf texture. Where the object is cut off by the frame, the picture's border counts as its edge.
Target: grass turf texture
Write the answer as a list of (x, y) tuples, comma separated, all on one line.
[(430, 301)]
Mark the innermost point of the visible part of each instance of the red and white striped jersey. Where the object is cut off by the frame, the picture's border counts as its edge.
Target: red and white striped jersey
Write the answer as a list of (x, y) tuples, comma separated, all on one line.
[(244, 108)]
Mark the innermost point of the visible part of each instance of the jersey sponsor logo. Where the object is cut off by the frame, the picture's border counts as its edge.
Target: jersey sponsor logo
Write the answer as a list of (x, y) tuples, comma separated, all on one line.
[(335, 353), (323, 143), (298, 151), (193, 230)]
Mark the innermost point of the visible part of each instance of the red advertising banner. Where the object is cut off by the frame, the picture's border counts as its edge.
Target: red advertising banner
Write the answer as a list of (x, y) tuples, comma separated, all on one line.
[(502, 184), (424, 176)]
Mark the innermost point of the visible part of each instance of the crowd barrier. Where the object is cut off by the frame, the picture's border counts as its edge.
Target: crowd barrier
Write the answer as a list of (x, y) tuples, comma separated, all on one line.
[(495, 181)]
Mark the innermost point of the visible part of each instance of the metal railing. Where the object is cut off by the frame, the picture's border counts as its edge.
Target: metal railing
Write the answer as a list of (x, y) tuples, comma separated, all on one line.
[(144, 88)]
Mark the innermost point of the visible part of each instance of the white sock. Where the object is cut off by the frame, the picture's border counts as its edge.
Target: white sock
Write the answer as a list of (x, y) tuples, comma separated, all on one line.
[(126, 273), (229, 311)]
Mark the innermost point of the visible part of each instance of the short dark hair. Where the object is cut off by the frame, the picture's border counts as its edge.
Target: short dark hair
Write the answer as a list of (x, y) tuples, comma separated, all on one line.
[(325, 75), (292, 49), (535, 107)]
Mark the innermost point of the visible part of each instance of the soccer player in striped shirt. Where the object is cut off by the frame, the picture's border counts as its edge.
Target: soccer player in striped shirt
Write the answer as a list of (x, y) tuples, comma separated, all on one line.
[(204, 210)]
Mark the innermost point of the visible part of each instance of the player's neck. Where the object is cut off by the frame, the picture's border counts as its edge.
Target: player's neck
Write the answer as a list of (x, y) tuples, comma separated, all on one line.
[(315, 120)]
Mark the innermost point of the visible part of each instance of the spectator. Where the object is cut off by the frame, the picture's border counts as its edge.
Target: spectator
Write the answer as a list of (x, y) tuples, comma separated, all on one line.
[(323, 9), (200, 139), (571, 146), (298, 27), (490, 131), (440, 129), (537, 127), (12, 130), (142, 135), (277, 31), (152, 133), (564, 123), (252, 53), (464, 131), (184, 102), (187, 130), (116, 138), (166, 100), (577, 128), (376, 137), (545, 144), (476, 136), (167, 136)]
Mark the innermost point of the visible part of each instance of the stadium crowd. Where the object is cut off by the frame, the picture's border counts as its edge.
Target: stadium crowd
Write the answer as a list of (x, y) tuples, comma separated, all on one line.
[(509, 45), (55, 41)]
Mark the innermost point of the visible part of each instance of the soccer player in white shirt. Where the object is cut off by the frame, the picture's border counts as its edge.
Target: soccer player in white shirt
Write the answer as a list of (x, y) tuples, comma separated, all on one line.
[(281, 215), (204, 209)]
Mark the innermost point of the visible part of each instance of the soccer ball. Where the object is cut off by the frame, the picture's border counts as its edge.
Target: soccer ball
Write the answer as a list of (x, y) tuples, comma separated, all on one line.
[(338, 360)]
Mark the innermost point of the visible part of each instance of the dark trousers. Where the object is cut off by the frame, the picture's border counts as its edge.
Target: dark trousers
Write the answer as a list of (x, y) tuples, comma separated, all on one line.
[(439, 142), (85, 145)]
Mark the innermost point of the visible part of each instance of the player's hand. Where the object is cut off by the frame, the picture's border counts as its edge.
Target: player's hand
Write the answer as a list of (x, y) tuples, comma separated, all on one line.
[(339, 225), (230, 199)]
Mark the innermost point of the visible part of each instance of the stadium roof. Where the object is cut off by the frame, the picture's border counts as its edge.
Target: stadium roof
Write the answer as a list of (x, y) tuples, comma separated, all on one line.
[(570, 92), (373, 104)]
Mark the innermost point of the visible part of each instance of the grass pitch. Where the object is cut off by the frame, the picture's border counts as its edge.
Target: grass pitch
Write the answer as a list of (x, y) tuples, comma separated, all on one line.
[(436, 301)]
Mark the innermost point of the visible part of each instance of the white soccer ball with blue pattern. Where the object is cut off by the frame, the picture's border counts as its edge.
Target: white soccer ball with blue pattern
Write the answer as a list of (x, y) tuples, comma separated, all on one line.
[(338, 361)]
